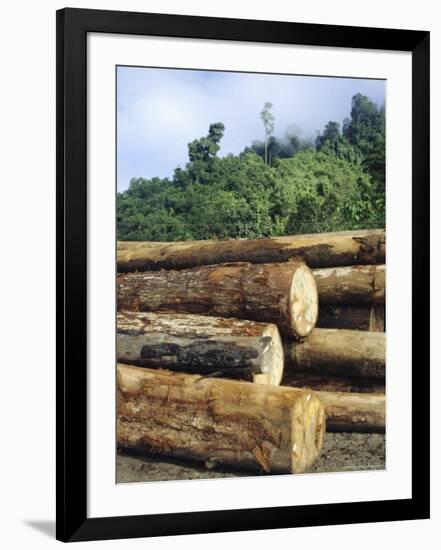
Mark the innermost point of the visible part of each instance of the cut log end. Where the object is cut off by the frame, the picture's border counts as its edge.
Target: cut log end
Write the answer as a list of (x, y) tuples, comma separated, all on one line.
[(377, 318), (303, 301), (275, 375), (308, 431)]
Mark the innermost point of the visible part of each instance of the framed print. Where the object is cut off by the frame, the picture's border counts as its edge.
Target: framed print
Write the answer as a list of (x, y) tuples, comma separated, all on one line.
[(242, 274)]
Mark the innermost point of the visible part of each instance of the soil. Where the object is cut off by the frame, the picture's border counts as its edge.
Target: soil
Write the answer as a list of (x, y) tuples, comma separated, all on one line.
[(342, 452)]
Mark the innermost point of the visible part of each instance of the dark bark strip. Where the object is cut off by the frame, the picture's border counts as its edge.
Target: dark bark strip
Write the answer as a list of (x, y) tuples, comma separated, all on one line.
[(234, 348), (333, 383), (229, 356)]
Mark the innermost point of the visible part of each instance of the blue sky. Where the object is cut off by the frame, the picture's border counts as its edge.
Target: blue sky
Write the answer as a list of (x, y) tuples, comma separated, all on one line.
[(159, 111)]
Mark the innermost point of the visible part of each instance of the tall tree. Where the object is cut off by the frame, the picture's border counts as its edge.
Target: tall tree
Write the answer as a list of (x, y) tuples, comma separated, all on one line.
[(268, 121)]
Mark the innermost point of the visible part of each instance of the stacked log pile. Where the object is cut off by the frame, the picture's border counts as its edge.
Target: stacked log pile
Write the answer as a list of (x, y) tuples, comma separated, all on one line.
[(352, 297), (200, 353), (355, 400)]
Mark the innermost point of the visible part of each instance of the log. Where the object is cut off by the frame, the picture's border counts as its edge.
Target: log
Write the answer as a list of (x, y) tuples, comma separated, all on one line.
[(354, 412), (208, 345), (340, 352), (351, 285), (332, 383), (360, 317), (317, 250), (218, 421), (284, 294)]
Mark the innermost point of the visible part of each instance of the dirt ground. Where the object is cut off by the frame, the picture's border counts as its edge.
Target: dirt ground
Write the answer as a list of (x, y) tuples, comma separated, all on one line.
[(342, 452)]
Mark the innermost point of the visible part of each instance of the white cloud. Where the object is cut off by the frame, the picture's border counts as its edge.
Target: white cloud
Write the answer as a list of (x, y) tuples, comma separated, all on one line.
[(160, 111)]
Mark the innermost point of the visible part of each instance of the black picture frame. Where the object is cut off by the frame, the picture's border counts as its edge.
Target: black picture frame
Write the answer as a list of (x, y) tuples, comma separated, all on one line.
[(71, 428)]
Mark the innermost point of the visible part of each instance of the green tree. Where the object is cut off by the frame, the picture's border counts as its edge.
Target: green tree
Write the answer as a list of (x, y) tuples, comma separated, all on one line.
[(206, 148), (317, 192), (331, 133), (239, 202), (269, 123), (365, 130)]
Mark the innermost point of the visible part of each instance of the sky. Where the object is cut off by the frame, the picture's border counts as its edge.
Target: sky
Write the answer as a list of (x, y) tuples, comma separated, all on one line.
[(159, 111)]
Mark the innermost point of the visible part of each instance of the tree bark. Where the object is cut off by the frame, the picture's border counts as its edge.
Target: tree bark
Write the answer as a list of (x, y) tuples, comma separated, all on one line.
[(331, 383), (354, 412), (317, 250), (339, 352), (218, 421), (284, 294), (356, 317), (207, 345), (351, 285)]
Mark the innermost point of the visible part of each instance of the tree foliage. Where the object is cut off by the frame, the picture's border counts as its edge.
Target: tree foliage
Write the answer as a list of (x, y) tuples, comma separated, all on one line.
[(207, 147), (337, 184)]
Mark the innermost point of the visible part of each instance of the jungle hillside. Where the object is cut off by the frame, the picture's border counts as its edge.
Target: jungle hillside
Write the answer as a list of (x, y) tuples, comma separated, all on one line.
[(275, 186)]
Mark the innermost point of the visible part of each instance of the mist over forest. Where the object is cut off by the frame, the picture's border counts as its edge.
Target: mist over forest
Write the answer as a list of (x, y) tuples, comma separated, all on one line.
[(275, 186)]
